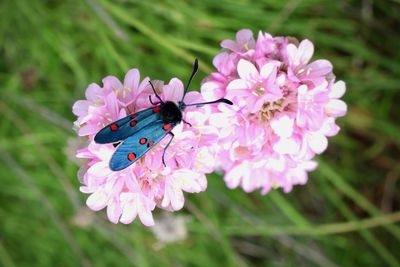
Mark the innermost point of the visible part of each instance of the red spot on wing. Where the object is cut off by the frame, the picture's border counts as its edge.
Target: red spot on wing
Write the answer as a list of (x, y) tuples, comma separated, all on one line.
[(114, 127), (167, 127), (131, 156), (133, 123), (142, 141), (149, 144), (133, 116), (156, 109)]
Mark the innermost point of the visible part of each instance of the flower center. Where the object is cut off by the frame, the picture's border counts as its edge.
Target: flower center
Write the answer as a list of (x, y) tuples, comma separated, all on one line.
[(259, 91), (269, 109), (146, 184)]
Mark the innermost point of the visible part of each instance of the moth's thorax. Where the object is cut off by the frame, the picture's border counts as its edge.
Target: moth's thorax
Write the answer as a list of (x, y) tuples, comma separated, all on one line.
[(170, 112)]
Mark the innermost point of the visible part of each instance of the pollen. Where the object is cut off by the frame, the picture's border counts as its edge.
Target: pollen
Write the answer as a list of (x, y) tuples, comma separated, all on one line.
[(259, 91), (269, 109)]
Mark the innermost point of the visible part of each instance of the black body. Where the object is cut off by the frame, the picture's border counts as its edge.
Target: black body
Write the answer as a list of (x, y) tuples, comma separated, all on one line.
[(170, 113)]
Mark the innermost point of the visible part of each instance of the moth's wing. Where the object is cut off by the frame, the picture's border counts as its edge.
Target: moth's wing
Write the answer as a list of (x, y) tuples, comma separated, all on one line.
[(125, 127), (135, 146)]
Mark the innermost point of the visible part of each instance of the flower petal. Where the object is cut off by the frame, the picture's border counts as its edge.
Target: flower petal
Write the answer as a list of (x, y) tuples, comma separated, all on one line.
[(146, 217), (80, 108), (187, 180), (97, 200), (305, 52), (283, 126), (235, 176), (317, 142), (114, 211), (94, 92), (132, 79), (338, 90), (211, 91), (112, 83), (336, 108), (237, 84), (173, 91), (318, 68), (246, 69), (267, 70), (286, 146), (129, 207), (243, 36)]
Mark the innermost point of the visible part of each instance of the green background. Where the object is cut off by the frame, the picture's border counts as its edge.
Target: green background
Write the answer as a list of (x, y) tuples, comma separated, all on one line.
[(51, 50)]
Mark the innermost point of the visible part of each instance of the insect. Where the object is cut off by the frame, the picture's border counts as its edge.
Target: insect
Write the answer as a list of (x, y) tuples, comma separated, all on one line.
[(135, 134)]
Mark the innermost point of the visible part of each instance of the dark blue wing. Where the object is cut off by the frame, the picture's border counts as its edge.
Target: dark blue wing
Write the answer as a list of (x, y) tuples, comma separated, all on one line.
[(125, 127), (135, 146)]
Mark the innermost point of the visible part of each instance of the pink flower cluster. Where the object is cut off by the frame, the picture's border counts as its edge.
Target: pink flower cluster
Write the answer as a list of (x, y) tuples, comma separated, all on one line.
[(138, 189), (285, 106)]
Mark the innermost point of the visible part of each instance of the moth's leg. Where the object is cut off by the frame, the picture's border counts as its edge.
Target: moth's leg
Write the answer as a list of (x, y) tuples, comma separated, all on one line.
[(187, 123), (154, 104), (155, 92), (170, 140)]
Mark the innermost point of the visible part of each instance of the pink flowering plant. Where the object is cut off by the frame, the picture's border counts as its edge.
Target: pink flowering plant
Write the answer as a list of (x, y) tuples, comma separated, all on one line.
[(147, 183), (285, 106)]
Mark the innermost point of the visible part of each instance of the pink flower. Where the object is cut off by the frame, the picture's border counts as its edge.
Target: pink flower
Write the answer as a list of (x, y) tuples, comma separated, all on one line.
[(262, 84), (300, 70), (104, 105), (244, 43), (130, 89), (137, 190), (94, 96), (99, 116), (285, 108)]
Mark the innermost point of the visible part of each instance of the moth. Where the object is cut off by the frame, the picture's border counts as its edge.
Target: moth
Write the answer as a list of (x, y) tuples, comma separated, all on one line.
[(137, 133)]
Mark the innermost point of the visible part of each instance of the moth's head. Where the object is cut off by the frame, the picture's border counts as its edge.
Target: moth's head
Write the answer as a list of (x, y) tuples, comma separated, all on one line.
[(171, 112)]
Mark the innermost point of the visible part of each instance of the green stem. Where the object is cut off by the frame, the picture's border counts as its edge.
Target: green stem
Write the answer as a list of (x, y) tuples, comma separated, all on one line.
[(316, 230)]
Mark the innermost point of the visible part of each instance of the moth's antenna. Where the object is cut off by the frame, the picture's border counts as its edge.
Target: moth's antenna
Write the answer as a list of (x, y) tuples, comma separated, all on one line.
[(154, 90), (195, 68), (221, 100)]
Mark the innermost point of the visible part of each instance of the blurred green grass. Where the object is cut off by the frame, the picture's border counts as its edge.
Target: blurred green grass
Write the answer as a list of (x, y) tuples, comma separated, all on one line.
[(51, 50)]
